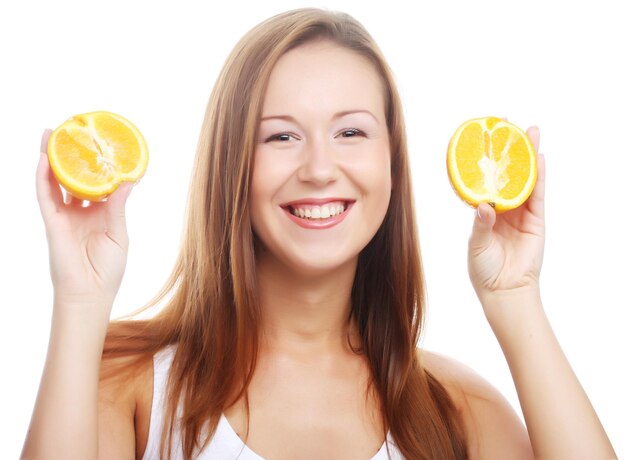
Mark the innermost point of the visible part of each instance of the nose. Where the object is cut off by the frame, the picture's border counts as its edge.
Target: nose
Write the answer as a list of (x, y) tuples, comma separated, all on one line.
[(318, 163)]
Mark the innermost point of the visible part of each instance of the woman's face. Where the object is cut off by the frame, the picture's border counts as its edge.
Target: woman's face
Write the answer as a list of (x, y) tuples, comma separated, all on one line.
[(322, 179)]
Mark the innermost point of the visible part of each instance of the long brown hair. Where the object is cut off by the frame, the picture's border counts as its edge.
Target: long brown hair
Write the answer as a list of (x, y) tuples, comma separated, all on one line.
[(212, 312)]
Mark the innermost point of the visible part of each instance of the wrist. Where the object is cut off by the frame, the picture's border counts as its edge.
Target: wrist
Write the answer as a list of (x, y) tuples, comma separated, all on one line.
[(89, 311), (512, 311), (78, 332)]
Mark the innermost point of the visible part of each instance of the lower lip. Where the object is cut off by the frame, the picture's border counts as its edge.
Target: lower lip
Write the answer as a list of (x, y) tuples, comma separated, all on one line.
[(318, 224)]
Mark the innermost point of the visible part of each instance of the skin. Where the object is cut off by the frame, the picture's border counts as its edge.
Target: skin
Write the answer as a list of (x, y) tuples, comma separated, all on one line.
[(309, 385), (307, 396)]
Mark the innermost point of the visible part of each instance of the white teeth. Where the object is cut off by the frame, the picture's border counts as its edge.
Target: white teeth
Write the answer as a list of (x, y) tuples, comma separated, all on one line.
[(318, 212)]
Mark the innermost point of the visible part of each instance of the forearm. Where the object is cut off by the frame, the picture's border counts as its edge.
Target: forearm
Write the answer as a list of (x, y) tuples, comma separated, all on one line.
[(65, 417), (560, 419)]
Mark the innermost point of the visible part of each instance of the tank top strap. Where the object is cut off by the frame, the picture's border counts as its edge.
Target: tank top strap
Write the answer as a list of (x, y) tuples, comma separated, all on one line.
[(162, 362)]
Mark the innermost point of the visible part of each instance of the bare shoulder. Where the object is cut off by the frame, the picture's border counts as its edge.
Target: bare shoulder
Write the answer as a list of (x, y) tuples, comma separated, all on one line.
[(124, 405), (492, 426)]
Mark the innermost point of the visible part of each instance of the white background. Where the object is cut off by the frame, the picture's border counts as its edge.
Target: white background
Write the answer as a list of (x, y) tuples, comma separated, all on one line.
[(557, 65)]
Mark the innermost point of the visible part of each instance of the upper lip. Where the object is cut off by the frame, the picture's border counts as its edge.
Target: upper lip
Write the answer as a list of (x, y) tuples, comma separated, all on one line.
[(316, 201)]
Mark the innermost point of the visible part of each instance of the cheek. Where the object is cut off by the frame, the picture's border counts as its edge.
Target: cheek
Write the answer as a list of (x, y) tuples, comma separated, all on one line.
[(374, 176), (263, 176), (258, 193), (268, 175), (380, 192), (271, 169), (377, 182)]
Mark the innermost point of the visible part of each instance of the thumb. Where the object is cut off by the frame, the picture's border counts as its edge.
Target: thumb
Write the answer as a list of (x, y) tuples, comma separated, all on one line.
[(484, 221), (116, 213)]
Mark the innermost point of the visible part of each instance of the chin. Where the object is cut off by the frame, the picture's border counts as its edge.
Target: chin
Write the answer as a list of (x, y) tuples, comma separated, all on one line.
[(323, 267), (314, 265)]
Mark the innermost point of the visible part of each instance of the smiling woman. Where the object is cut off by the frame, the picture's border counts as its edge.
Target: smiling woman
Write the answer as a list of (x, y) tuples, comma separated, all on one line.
[(329, 152), (297, 301)]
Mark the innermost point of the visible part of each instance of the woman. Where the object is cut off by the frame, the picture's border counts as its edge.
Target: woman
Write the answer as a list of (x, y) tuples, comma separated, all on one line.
[(297, 300)]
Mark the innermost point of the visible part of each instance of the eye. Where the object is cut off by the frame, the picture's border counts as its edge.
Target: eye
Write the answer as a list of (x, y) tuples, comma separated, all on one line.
[(351, 132), (281, 137)]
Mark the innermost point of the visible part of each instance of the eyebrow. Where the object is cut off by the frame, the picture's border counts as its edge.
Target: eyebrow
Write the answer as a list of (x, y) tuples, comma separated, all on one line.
[(335, 116)]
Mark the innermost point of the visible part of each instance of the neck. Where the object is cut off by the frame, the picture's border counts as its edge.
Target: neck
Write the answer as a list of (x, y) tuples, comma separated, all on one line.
[(305, 312)]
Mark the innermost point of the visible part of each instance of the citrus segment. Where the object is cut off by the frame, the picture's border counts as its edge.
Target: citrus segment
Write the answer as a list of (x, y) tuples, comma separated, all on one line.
[(491, 160), (92, 153)]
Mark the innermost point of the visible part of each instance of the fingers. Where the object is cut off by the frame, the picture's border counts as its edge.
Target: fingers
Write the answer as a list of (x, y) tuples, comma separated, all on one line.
[(484, 221), (116, 213), (536, 201), (533, 134), (49, 193), (537, 197), (43, 148)]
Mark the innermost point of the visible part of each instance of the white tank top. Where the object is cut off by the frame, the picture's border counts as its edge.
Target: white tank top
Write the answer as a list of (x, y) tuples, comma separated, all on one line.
[(225, 444)]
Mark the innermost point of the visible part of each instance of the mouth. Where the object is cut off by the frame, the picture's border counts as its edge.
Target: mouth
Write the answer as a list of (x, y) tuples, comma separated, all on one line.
[(316, 211)]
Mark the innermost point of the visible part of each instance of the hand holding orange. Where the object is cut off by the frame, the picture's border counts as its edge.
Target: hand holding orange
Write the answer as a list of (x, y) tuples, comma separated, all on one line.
[(93, 153), (493, 161)]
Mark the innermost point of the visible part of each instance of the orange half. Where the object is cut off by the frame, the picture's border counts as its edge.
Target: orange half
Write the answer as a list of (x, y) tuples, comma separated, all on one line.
[(493, 161), (93, 153)]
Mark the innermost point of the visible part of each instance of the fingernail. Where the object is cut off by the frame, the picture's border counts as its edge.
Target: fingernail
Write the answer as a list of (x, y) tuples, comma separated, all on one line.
[(478, 213)]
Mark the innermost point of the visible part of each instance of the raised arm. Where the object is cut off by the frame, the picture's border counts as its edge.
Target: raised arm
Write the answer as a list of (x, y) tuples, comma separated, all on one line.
[(87, 248), (505, 257)]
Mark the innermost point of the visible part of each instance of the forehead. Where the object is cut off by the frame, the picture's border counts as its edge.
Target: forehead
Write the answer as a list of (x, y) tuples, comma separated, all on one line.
[(326, 76)]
